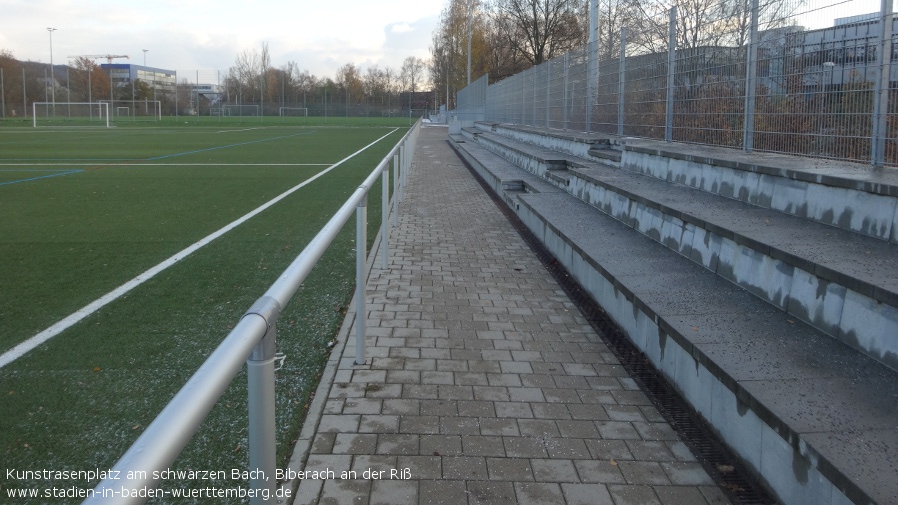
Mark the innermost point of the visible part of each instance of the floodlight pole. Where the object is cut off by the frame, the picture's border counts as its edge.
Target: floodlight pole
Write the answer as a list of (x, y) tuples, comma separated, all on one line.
[(52, 88)]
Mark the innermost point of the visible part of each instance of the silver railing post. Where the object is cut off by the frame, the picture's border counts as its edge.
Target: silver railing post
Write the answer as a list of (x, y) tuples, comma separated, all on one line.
[(361, 225), (671, 68), (395, 189), (401, 170), (260, 391), (384, 214)]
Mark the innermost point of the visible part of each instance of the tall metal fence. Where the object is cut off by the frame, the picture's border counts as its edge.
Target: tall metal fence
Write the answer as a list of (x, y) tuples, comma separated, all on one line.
[(193, 93), (795, 76)]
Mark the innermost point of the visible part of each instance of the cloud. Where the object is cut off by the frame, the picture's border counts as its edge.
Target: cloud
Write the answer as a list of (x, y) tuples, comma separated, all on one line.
[(399, 28), (210, 34)]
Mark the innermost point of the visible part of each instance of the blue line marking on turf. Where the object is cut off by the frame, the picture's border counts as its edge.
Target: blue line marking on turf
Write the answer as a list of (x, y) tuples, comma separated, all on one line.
[(67, 172), (227, 146)]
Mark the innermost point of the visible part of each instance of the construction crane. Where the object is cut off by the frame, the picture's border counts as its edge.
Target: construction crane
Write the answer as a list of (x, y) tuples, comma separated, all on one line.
[(109, 57)]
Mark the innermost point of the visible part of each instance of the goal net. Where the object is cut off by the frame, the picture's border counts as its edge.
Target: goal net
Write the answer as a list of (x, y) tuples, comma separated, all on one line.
[(293, 111), (70, 114), (234, 110), (135, 110)]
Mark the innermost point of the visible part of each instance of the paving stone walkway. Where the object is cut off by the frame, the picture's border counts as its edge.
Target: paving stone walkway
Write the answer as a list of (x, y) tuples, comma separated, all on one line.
[(483, 382)]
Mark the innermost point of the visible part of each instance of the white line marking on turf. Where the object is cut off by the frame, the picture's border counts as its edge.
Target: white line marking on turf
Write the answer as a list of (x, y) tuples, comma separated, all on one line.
[(243, 130), (22, 348)]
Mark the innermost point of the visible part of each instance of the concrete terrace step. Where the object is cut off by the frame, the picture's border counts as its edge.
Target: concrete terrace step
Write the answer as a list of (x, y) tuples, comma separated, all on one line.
[(852, 196), (507, 175), (606, 153), (813, 417), (843, 283)]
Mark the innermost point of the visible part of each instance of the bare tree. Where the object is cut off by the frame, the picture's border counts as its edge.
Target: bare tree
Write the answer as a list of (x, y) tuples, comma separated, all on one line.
[(540, 29), (411, 73)]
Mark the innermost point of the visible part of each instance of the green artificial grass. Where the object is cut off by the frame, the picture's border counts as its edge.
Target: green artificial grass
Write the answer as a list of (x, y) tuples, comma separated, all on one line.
[(80, 400)]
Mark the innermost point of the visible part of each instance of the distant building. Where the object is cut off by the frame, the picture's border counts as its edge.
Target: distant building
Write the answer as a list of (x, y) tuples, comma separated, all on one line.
[(123, 74), (843, 54)]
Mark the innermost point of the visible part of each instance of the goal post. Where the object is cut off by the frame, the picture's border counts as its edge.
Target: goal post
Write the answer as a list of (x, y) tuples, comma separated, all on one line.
[(70, 114), (234, 110), (293, 111), (143, 110)]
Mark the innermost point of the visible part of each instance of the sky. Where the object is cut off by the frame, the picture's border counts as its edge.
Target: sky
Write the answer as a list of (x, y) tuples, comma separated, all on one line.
[(208, 35)]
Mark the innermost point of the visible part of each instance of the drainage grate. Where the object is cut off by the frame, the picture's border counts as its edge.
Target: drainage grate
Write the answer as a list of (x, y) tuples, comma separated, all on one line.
[(721, 464)]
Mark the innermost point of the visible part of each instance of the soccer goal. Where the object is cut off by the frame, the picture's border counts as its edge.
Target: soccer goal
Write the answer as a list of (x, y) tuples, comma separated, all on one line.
[(234, 110), (293, 111), (70, 114)]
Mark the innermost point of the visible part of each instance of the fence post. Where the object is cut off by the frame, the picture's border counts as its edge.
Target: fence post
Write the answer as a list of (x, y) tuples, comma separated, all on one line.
[(567, 73), (548, 89), (671, 64), (261, 406), (384, 214), (621, 81), (361, 239), (881, 103), (751, 69)]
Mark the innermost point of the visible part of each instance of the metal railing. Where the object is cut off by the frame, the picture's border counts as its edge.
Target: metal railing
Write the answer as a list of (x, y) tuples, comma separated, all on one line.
[(787, 76), (253, 341)]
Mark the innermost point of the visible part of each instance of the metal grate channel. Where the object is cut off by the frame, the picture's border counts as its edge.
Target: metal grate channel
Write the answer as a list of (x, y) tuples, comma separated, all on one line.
[(721, 464)]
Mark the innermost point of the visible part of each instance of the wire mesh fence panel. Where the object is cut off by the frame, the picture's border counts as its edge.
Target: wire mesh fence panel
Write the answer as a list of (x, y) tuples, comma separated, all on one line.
[(816, 87), (789, 76), (606, 105)]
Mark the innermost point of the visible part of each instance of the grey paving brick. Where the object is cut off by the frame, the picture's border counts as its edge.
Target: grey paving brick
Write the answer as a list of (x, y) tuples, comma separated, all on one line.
[(421, 467), (686, 474), (336, 492), (538, 493), (491, 493), (441, 445), (439, 408), (440, 492), (475, 408), (392, 492), (586, 494), (524, 447), (509, 469), (643, 473), (554, 470), (375, 423), (362, 406), (350, 443), (401, 406), (650, 450), (464, 468), (408, 444), (633, 495)]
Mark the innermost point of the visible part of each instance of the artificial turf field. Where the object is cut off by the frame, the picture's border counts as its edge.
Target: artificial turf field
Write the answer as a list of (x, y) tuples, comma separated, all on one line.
[(83, 211)]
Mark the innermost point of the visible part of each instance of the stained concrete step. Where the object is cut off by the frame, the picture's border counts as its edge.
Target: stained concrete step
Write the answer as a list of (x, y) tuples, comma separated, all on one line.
[(841, 282), (856, 197), (507, 176), (812, 416), (607, 153)]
